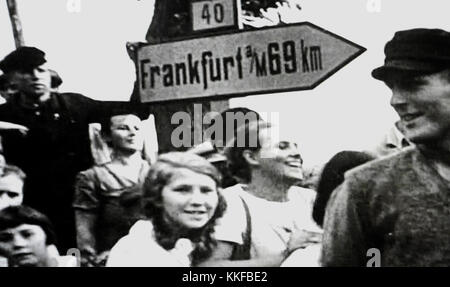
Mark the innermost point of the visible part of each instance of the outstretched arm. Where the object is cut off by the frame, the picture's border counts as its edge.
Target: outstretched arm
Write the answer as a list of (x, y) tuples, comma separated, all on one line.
[(12, 126)]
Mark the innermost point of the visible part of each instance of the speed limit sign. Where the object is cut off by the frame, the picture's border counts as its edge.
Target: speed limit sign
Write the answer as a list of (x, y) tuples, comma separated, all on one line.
[(214, 14)]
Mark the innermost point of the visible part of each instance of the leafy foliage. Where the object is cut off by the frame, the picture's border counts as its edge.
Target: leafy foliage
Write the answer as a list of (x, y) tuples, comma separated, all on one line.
[(172, 18)]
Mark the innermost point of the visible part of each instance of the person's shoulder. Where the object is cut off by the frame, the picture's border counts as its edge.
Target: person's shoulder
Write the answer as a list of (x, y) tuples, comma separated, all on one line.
[(303, 195), (93, 172), (380, 177), (70, 97), (139, 249), (384, 167), (142, 230), (233, 198), (233, 188), (230, 226), (233, 192), (142, 227), (90, 172), (304, 192)]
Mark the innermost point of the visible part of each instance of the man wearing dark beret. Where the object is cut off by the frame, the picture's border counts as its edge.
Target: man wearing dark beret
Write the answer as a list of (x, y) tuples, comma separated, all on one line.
[(56, 146), (396, 211)]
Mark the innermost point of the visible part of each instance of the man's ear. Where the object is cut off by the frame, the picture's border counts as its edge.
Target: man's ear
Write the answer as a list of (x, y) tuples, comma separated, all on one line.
[(250, 157)]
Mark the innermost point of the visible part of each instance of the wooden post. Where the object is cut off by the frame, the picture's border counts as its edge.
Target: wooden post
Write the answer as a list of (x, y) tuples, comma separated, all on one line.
[(163, 113), (171, 20), (15, 22)]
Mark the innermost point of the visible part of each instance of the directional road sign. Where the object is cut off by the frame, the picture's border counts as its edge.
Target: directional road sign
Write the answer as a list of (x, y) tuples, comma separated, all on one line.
[(283, 58)]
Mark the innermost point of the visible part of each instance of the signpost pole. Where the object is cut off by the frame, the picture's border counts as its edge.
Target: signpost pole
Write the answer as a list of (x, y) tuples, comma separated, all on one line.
[(163, 112), (15, 22), (239, 15)]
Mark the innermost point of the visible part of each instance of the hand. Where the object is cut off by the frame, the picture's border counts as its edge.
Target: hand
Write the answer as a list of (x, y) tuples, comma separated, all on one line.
[(284, 13), (10, 126), (257, 22), (302, 238), (91, 260), (102, 258), (287, 13), (269, 17)]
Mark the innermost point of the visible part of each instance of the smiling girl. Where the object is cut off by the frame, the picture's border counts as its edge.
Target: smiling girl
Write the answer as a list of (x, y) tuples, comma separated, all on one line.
[(181, 202)]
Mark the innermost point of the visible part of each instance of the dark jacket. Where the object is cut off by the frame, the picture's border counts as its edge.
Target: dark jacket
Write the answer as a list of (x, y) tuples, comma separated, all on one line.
[(54, 150), (399, 205)]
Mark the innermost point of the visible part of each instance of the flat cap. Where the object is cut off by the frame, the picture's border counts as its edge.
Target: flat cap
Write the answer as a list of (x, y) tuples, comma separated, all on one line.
[(23, 58), (419, 51)]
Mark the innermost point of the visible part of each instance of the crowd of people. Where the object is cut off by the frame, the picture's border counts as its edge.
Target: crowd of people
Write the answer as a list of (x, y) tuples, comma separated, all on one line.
[(242, 202)]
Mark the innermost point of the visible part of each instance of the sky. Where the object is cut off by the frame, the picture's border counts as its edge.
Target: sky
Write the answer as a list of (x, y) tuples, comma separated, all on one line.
[(348, 111)]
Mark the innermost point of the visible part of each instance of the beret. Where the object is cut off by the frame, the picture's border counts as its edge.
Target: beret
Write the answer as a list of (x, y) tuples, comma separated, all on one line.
[(23, 58)]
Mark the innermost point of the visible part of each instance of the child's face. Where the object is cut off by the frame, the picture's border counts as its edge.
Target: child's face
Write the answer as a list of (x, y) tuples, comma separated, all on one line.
[(190, 198), (24, 245), (11, 193)]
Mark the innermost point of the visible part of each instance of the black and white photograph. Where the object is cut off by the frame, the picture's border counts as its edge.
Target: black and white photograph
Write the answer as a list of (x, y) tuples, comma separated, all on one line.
[(224, 133)]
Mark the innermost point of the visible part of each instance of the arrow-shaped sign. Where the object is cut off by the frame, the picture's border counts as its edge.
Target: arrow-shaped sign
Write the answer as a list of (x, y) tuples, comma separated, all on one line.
[(276, 59)]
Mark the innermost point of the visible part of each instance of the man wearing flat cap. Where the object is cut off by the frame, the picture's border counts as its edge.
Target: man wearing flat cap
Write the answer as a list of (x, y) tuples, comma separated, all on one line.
[(56, 146), (400, 204)]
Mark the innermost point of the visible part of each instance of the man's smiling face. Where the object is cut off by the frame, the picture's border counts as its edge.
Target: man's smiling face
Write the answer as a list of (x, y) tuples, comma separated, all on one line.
[(423, 104)]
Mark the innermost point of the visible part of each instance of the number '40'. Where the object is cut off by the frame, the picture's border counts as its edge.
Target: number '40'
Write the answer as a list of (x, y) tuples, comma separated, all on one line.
[(217, 11)]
